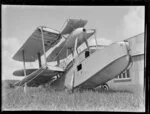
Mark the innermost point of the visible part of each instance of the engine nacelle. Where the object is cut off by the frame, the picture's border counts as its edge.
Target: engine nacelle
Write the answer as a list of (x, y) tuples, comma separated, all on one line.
[(77, 33)]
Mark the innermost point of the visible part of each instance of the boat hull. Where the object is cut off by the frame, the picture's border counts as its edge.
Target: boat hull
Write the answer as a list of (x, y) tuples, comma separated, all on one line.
[(99, 67), (109, 72)]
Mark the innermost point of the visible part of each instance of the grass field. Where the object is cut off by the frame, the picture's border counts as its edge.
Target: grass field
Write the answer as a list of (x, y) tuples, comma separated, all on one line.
[(44, 99)]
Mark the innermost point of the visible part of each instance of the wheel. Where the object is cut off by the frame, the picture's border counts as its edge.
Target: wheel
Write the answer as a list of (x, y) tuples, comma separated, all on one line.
[(69, 91), (105, 87)]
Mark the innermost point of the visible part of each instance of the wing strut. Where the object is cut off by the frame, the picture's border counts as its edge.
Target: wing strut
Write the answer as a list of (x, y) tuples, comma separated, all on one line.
[(73, 79), (58, 61), (86, 42), (39, 59), (75, 48), (25, 86), (95, 39), (41, 28)]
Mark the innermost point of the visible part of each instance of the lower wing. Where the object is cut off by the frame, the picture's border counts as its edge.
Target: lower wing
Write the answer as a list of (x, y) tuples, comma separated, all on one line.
[(39, 77)]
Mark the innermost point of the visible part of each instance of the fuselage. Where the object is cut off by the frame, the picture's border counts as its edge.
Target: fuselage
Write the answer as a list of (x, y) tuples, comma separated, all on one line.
[(94, 67)]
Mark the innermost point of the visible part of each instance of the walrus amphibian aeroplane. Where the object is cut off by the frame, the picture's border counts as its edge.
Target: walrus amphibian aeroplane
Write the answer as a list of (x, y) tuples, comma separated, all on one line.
[(90, 68)]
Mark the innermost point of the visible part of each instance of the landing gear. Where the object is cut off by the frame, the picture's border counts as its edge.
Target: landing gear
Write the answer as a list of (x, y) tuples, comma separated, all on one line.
[(69, 91), (103, 87)]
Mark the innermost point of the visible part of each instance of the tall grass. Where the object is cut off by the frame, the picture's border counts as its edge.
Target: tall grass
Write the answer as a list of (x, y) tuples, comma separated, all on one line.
[(43, 99)]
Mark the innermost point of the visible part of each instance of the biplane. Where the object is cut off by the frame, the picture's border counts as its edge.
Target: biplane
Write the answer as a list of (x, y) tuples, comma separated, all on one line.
[(90, 68)]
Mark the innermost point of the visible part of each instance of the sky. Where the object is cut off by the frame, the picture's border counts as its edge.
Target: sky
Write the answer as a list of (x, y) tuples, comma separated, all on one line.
[(112, 23)]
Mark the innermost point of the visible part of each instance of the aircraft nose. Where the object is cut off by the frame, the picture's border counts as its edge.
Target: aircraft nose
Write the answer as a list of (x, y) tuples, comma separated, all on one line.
[(84, 30)]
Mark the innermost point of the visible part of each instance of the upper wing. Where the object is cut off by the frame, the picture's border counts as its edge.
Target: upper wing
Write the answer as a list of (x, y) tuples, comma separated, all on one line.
[(33, 45), (73, 24), (61, 50)]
